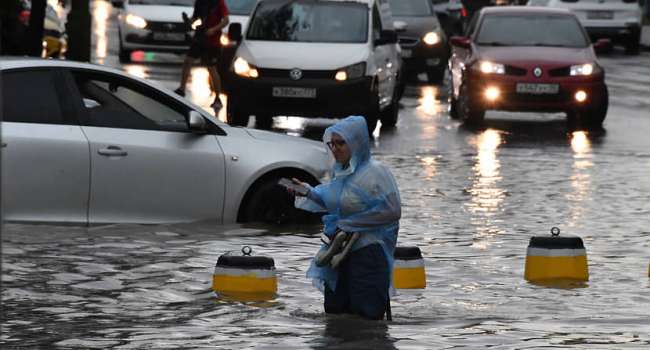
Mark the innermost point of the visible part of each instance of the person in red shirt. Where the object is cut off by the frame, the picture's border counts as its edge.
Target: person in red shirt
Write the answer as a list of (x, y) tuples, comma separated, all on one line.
[(206, 44)]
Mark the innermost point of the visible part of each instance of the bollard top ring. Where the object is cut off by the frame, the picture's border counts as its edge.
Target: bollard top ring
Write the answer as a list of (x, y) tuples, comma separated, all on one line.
[(246, 250), (555, 231)]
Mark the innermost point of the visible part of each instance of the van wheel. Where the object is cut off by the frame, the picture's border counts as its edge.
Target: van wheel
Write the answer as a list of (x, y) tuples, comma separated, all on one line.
[(633, 44), (270, 203), (234, 115), (466, 110), (389, 116)]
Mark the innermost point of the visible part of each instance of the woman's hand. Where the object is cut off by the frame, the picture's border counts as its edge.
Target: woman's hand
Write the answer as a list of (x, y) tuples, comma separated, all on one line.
[(301, 184)]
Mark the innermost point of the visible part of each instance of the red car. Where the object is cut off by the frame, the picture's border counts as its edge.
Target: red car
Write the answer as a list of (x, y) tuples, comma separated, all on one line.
[(527, 59)]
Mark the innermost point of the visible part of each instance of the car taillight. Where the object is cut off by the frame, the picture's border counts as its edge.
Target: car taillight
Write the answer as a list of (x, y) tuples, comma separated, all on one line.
[(23, 17), (463, 11)]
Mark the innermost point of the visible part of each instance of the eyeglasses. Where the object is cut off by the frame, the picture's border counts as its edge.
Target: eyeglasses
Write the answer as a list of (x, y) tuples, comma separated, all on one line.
[(337, 143)]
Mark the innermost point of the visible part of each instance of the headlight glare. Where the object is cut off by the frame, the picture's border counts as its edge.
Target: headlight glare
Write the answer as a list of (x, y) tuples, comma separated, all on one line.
[(136, 21), (488, 67), (582, 69), (197, 23), (351, 72), (224, 39), (431, 38), (242, 68)]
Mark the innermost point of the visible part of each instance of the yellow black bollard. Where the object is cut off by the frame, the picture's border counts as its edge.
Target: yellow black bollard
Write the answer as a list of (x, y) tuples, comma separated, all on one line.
[(556, 258), (245, 278), (408, 269)]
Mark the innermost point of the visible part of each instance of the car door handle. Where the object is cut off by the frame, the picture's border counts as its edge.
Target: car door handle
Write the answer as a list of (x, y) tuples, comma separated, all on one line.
[(112, 151)]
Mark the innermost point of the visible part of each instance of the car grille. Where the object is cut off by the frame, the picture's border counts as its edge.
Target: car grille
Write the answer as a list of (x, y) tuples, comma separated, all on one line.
[(512, 70), (167, 27), (306, 74), (408, 41)]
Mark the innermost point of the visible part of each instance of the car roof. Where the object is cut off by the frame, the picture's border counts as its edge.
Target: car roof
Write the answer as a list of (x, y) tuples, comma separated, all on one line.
[(525, 10), (365, 2), (13, 62)]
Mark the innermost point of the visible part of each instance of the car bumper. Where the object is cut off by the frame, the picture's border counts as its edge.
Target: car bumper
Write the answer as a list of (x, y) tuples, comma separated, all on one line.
[(333, 99), (616, 34), (509, 99), (134, 39)]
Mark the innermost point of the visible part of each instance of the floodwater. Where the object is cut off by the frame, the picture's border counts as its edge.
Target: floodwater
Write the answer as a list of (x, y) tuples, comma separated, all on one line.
[(472, 198)]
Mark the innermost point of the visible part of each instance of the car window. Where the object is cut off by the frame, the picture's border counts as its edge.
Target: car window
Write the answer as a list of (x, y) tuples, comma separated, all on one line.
[(240, 7), (118, 103), (31, 97), (472, 26), (309, 21), (188, 3), (531, 30), (411, 8), (376, 23)]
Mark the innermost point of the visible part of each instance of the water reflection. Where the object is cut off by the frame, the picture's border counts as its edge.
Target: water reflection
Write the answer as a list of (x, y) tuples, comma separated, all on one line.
[(100, 14), (580, 178), (345, 332), (429, 103), (486, 195)]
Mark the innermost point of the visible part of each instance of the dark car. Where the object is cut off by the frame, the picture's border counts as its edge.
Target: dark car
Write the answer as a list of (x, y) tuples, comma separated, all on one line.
[(421, 38), (527, 59)]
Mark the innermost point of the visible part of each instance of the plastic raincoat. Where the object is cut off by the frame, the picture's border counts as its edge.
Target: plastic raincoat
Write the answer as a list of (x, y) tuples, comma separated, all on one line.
[(361, 198)]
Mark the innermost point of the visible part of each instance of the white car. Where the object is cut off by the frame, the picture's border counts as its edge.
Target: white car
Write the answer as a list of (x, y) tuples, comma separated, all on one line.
[(328, 58), (617, 20), (87, 144)]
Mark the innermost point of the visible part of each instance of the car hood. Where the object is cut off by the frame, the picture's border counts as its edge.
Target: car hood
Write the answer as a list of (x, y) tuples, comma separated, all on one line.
[(288, 55), (536, 55), (157, 13), (418, 26), (281, 138)]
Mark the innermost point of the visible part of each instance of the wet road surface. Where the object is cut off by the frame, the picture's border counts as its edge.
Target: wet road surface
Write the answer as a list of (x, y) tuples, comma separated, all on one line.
[(472, 198)]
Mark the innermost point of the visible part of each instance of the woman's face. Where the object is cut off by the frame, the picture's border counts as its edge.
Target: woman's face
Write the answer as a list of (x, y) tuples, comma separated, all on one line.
[(340, 149)]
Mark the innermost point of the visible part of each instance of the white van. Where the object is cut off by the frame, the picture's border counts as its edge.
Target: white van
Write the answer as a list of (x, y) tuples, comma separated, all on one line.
[(316, 58), (617, 20)]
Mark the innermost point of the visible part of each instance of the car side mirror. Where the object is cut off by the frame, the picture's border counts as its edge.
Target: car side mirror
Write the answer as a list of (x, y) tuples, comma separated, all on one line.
[(386, 37), (196, 122), (602, 44), (400, 26), (118, 4), (234, 32), (461, 41)]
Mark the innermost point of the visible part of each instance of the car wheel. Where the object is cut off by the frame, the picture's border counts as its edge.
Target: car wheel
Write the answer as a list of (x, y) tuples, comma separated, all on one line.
[(633, 44), (598, 113), (270, 203), (263, 121), (466, 110), (234, 115), (435, 75)]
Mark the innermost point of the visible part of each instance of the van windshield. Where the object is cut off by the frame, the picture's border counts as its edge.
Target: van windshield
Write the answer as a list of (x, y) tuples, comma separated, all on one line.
[(309, 21)]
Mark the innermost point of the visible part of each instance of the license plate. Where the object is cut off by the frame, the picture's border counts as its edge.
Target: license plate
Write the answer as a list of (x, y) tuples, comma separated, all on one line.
[(169, 36), (537, 89), (600, 15), (293, 92), (407, 53)]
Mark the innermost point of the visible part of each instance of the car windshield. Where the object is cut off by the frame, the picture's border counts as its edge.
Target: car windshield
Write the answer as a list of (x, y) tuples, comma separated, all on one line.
[(189, 3), (531, 30), (309, 21), (411, 8), (240, 7)]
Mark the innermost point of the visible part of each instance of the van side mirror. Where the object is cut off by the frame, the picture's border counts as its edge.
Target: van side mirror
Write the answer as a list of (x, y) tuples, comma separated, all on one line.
[(196, 122), (602, 45), (234, 32), (386, 37), (118, 4), (461, 41)]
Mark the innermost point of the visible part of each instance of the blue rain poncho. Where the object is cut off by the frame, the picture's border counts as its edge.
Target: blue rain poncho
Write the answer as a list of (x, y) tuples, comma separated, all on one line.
[(361, 198)]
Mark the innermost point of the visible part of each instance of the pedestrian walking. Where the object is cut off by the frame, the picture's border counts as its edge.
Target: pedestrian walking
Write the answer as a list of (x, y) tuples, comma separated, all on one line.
[(206, 44), (362, 206)]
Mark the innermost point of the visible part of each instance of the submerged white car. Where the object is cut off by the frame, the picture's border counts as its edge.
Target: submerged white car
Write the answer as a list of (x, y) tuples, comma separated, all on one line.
[(87, 144)]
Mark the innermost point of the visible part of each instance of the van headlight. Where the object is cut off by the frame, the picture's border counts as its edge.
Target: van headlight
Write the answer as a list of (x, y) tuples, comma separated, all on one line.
[(351, 72), (488, 67), (242, 68), (136, 21), (431, 38), (582, 69)]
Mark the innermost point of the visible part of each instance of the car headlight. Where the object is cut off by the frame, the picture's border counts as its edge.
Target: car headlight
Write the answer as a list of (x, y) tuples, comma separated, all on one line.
[(582, 69), (197, 23), (431, 38), (242, 68), (488, 67), (136, 21), (351, 72)]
